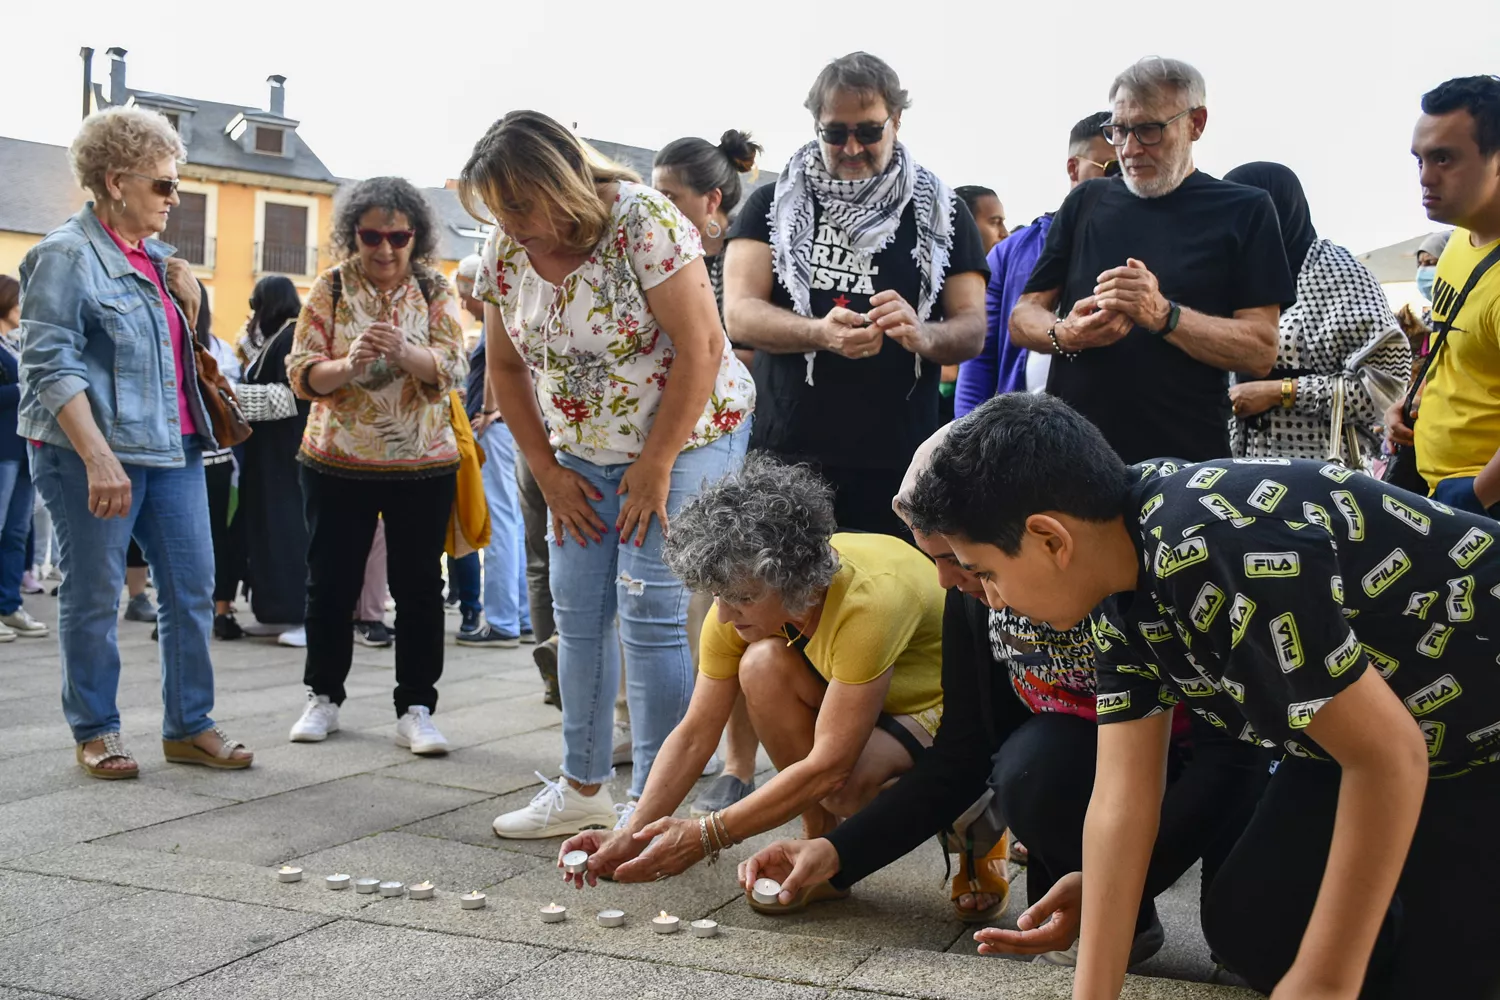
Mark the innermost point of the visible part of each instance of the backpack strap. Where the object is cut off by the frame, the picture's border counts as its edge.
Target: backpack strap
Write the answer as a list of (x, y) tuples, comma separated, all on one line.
[(1445, 327)]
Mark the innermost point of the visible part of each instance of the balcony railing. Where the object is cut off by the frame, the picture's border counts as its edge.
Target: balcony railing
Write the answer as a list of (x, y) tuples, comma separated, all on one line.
[(196, 250), (286, 258)]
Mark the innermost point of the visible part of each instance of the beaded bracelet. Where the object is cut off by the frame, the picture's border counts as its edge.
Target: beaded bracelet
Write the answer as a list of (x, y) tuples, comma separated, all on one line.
[(1057, 347)]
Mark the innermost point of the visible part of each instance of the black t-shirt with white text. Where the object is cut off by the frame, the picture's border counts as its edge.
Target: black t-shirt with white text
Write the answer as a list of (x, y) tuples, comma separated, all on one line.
[(1268, 586), (1214, 247), (865, 413)]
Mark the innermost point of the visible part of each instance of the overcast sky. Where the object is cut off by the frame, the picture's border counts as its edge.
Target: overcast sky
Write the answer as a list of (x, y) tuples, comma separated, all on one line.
[(1329, 87)]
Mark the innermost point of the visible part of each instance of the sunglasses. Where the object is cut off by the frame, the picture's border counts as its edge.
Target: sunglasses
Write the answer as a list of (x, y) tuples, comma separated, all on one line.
[(162, 186), (865, 133), (1146, 133), (1111, 168), (397, 238)]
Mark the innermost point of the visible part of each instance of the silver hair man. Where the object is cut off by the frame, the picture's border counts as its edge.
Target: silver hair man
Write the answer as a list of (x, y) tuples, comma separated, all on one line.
[(1157, 114)]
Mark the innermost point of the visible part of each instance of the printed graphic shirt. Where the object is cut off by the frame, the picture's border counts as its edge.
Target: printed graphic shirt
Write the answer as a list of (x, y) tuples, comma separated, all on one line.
[(1268, 586)]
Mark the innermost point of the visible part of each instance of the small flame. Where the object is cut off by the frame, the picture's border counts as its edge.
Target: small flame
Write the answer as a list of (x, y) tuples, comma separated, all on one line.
[(663, 914)]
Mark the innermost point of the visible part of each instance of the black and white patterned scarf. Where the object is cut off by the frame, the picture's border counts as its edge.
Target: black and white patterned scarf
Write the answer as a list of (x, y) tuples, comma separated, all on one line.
[(869, 212)]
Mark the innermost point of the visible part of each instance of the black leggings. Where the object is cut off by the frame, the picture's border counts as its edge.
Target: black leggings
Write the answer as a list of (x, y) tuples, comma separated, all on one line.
[(228, 536), (1440, 935)]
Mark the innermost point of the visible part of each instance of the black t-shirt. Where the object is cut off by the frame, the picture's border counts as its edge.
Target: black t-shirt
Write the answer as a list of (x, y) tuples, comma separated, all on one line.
[(1268, 586), (474, 388), (1214, 247), (867, 413)]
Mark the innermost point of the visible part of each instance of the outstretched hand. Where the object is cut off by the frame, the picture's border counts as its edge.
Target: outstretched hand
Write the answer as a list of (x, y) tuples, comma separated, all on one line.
[(1049, 924)]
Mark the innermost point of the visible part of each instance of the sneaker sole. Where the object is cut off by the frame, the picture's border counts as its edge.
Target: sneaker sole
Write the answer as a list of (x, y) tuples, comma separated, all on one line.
[(497, 643), (434, 751), (311, 737), (8, 638), (561, 829), (373, 645), (31, 635)]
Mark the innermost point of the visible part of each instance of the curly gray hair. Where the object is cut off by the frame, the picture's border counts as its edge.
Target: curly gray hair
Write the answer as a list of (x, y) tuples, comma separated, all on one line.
[(120, 140), (765, 527)]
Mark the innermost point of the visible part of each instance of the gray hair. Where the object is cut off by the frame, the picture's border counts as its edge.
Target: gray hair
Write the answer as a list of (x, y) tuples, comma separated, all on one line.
[(468, 268), (860, 73), (765, 527), (121, 140), (1155, 77)]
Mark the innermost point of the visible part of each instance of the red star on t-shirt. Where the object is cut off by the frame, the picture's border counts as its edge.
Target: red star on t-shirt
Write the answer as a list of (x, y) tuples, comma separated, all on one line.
[(841, 302)]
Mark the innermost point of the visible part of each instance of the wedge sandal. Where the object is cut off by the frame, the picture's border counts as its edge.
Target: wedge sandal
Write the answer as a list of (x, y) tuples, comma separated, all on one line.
[(188, 752), (985, 876), (114, 749), (821, 893)]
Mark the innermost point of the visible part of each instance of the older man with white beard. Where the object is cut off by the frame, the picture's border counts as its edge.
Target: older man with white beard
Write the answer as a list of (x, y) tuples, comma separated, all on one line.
[(1165, 279)]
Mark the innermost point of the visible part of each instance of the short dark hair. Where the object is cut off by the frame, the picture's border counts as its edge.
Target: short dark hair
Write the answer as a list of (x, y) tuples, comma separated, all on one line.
[(273, 304), (1088, 129), (864, 74), (1480, 97), (1016, 455), (10, 294), (971, 193), (391, 194), (705, 167)]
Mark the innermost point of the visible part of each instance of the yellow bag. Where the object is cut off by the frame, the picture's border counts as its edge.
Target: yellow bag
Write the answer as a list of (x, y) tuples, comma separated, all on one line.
[(469, 524)]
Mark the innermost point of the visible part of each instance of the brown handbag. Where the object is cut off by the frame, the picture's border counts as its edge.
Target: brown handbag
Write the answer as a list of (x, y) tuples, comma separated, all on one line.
[(229, 424)]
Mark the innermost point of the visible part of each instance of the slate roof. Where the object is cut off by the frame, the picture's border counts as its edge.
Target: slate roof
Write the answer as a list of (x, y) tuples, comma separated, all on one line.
[(456, 227), (39, 193), (1396, 263)]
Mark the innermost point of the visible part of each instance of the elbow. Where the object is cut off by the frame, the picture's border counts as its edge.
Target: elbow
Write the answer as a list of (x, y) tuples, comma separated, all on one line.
[(1265, 351), (735, 321), (1015, 324)]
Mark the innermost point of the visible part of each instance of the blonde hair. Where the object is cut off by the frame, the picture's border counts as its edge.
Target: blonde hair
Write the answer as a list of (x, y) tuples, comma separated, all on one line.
[(527, 160), (121, 139)]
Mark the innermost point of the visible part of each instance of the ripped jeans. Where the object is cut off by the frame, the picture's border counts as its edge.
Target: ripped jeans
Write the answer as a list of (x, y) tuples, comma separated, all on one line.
[(591, 584)]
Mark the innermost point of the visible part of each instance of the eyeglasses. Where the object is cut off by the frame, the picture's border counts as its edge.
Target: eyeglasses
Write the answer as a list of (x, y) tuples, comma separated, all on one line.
[(865, 133), (1146, 133), (163, 186), (1111, 168), (397, 238)]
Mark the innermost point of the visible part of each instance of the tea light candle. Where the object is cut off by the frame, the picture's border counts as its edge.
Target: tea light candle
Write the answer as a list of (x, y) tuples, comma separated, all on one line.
[(766, 891), (705, 928), (366, 884), (337, 881), (391, 888), (554, 914), (611, 918), (576, 862), (422, 890), (472, 900), (665, 924), (289, 873)]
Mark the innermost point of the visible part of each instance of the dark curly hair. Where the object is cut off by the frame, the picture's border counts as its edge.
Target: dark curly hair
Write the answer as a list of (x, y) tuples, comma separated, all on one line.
[(391, 194)]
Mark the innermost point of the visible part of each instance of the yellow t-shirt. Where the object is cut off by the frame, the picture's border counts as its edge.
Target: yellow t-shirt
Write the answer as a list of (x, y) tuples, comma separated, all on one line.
[(1458, 425), (884, 610)]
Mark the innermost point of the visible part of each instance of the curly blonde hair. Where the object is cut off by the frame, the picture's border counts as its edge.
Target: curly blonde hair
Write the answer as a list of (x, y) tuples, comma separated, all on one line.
[(121, 139)]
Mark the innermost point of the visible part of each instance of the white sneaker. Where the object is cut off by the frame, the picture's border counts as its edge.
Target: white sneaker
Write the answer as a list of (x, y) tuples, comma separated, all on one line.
[(558, 810), (6, 635), (22, 624), (623, 812), (293, 637), (621, 755), (416, 731), (319, 718)]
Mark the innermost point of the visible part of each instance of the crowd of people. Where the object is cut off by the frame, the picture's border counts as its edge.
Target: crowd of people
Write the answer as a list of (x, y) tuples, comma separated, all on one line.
[(1186, 580)]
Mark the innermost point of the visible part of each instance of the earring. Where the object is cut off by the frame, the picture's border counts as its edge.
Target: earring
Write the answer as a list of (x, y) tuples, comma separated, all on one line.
[(713, 230)]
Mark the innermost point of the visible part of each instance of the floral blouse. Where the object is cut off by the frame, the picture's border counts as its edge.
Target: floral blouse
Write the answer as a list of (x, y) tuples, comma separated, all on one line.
[(599, 358), (384, 422)]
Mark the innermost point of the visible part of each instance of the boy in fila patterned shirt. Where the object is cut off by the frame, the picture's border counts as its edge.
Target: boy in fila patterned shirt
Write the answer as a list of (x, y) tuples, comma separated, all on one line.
[(1297, 605)]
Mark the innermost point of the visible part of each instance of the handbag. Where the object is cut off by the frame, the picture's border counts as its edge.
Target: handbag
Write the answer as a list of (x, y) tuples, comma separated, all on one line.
[(1343, 437), (469, 522), (229, 424)]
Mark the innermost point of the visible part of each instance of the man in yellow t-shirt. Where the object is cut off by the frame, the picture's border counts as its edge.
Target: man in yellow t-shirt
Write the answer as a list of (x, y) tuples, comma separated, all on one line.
[(835, 641), (1457, 434)]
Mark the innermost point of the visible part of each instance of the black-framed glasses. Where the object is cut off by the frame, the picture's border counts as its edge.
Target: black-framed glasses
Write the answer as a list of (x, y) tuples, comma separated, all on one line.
[(397, 238), (1146, 133), (865, 133), (1110, 168), (162, 186)]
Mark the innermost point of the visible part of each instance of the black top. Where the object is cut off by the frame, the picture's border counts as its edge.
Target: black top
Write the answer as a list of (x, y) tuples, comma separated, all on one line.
[(869, 413), (1267, 586), (474, 392), (1214, 247), (980, 712)]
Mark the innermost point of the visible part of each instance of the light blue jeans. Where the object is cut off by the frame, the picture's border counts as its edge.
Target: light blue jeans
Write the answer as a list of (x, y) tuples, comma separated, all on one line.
[(593, 583), (15, 526), (169, 518), (505, 604)]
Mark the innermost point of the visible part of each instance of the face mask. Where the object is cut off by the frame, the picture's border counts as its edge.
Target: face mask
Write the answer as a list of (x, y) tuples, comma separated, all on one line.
[(1426, 275)]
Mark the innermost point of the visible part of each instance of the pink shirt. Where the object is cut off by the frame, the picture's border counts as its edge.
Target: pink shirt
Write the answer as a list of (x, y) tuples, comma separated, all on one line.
[(141, 261)]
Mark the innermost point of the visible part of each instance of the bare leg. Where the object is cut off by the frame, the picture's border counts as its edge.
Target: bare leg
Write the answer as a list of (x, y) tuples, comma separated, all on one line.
[(135, 580), (742, 742), (782, 697)]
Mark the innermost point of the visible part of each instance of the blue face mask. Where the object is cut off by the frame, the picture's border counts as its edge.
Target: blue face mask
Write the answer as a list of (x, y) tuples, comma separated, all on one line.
[(1426, 275)]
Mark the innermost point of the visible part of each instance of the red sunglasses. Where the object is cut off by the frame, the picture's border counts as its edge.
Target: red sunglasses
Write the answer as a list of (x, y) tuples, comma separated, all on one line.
[(397, 238)]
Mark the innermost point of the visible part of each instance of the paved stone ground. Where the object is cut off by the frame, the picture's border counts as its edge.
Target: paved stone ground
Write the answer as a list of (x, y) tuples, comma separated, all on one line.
[(162, 887)]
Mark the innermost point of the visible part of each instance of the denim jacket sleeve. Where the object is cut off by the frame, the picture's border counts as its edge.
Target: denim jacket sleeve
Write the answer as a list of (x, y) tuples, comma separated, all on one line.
[(52, 317)]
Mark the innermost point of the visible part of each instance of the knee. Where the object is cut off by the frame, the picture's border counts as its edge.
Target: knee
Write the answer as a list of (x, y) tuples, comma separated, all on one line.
[(850, 797), (765, 672)]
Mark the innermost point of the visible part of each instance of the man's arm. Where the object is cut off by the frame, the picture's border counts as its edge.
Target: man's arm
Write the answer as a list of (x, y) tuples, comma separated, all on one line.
[(958, 337), (1487, 483), (1034, 314), (748, 313)]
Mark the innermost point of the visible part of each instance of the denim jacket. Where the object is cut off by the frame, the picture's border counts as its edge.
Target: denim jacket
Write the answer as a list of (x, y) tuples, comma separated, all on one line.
[(91, 322)]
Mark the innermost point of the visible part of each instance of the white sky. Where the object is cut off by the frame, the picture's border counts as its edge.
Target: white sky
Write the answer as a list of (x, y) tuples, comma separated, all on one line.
[(1328, 87)]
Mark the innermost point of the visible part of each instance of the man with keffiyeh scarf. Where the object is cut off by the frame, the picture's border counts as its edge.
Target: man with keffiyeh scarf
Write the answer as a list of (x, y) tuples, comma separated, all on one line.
[(856, 277)]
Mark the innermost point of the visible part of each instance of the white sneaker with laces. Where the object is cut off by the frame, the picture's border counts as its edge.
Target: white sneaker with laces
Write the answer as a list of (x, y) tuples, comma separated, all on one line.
[(621, 755), (6, 635), (558, 810), (296, 637), (416, 731), (319, 718), (22, 624), (623, 812)]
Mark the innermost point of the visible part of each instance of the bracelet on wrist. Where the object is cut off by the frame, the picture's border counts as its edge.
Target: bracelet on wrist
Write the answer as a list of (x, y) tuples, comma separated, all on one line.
[(1057, 347)]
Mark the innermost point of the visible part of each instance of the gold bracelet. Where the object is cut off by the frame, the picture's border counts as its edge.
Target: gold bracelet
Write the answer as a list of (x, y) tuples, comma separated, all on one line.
[(1288, 387)]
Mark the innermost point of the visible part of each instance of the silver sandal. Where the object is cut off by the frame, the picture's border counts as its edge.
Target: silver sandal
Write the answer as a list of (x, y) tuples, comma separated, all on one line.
[(188, 752), (114, 748)]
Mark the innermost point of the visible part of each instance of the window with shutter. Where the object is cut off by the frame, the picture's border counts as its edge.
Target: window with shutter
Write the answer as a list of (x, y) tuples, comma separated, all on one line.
[(187, 227), (284, 249)]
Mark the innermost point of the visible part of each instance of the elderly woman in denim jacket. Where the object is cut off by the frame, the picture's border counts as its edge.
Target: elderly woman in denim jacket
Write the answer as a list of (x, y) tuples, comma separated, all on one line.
[(110, 390)]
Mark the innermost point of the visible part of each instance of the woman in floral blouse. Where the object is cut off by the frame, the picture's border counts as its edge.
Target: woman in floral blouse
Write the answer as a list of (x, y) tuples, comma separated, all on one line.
[(378, 347), (603, 331)]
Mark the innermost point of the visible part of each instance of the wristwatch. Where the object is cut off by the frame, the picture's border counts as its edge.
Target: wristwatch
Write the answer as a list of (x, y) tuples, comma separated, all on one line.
[(1174, 316)]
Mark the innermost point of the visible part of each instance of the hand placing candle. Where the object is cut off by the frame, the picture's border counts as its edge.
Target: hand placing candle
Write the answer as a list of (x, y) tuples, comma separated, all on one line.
[(670, 846), (605, 851)]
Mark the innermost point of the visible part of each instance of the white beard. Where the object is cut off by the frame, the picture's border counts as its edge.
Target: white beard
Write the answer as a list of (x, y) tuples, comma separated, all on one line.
[(1164, 183)]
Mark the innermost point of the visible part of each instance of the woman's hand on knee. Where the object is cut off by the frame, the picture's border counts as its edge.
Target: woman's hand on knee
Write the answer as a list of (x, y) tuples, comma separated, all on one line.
[(1050, 924)]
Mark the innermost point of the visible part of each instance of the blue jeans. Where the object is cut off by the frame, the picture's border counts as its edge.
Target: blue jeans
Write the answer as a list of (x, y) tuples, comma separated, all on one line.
[(590, 585), (15, 530), (1458, 493), (169, 518), (506, 607), (463, 582)]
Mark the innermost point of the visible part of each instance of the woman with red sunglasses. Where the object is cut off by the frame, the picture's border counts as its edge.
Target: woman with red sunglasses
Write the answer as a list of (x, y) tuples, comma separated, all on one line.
[(378, 347)]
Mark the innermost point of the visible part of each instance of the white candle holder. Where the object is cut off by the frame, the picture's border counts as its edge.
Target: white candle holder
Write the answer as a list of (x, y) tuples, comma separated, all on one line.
[(472, 900), (392, 888), (665, 923), (422, 890), (289, 873), (367, 885), (576, 862), (611, 918), (766, 891), (337, 881), (554, 914)]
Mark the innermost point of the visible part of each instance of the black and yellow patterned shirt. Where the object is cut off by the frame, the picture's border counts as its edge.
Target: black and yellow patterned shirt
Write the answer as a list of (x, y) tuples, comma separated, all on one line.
[(1268, 586)]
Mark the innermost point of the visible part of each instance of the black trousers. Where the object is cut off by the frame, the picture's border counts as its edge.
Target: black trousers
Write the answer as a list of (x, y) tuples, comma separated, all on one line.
[(341, 516), (1440, 935), (228, 536), (862, 499)]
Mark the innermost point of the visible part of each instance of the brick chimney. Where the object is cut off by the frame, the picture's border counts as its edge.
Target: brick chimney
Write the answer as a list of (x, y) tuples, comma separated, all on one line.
[(117, 91), (278, 95)]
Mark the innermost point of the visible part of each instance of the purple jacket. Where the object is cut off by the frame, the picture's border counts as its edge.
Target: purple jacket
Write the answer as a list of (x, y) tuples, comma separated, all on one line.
[(1001, 366)]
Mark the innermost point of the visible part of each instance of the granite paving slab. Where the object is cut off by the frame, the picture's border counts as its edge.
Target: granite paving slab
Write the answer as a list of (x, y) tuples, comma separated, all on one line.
[(592, 975), (27, 899), (494, 767), (102, 808), (408, 858)]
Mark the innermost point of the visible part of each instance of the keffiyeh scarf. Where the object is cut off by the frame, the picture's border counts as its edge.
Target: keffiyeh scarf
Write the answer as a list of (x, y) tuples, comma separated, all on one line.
[(869, 213)]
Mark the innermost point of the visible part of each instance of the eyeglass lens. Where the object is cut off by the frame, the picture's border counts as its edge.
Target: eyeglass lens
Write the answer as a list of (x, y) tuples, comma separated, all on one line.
[(865, 133)]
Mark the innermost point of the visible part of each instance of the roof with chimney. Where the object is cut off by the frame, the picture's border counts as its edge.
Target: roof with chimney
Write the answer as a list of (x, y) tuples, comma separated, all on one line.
[(39, 193)]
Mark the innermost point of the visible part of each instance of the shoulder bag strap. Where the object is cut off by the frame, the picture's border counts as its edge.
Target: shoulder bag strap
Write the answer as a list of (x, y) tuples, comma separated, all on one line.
[(1445, 326)]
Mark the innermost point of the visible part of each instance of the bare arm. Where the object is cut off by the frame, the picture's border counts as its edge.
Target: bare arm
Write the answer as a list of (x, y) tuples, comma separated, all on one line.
[(1487, 483), (1032, 316), (685, 310), (957, 338), (748, 312), (687, 749)]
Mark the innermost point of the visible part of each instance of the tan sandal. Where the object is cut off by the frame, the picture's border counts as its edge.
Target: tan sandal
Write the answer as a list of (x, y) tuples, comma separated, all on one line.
[(820, 893), (188, 752), (114, 749), (983, 877)]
